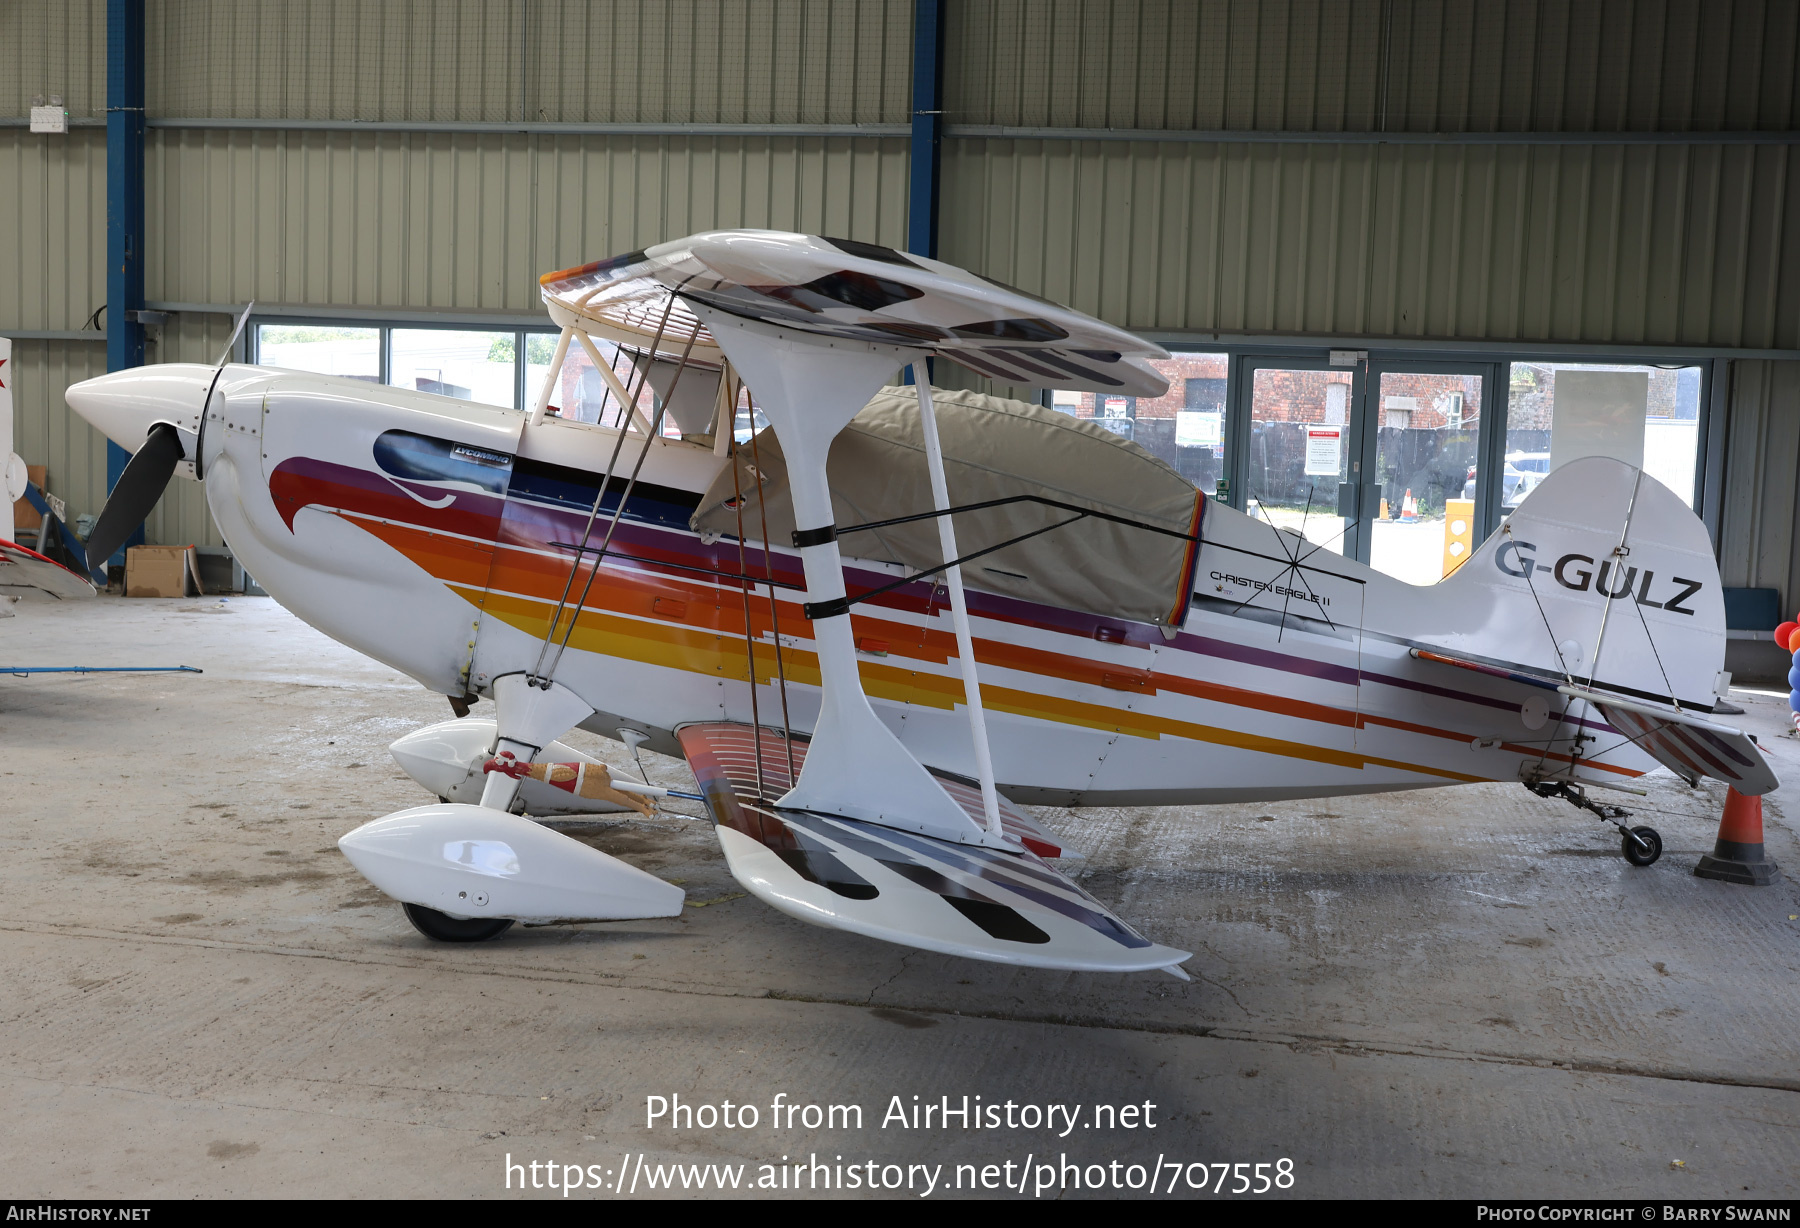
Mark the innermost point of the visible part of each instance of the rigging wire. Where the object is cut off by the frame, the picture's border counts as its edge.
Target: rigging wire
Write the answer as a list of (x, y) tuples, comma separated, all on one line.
[(606, 475), (1619, 555), (737, 491), (1569, 678), (650, 437), (787, 729), (612, 527)]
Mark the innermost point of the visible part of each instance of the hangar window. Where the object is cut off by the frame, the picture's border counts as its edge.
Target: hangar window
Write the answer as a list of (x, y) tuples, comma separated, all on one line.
[(470, 366), (495, 366), (1646, 415), (1185, 426), (1406, 459), (329, 349)]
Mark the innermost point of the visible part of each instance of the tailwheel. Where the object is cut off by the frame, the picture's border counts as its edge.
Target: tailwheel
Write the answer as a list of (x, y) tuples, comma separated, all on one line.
[(1641, 845), (442, 927)]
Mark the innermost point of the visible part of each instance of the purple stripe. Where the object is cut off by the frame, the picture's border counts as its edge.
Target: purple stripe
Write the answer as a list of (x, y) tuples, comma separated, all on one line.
[(970, 862), (1686, 734), (1407, 684), (1722, 744), (1014, 610), (1269, 660)]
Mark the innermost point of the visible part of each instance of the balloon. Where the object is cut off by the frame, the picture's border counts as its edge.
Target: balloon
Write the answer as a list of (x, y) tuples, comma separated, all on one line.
[(1782, 632), (1794, 701)]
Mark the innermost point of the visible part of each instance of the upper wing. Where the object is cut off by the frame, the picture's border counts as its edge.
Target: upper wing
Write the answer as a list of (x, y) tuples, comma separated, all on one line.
[(25, 571), (1687, 745)]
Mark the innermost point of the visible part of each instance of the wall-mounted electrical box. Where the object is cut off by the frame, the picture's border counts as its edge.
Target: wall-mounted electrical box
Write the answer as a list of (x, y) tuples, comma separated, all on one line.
[(52, 118)]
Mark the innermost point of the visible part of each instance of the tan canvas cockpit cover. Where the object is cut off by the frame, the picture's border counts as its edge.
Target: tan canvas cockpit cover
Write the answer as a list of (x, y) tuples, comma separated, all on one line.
[(993, 448)]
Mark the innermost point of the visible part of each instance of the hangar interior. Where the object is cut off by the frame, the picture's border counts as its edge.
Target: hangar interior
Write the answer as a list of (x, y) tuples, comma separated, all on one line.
[(1472, 196), (1380, 238)]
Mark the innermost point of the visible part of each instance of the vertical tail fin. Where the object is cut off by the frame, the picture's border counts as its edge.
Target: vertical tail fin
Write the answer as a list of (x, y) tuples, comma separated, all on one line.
[(1602, 577)]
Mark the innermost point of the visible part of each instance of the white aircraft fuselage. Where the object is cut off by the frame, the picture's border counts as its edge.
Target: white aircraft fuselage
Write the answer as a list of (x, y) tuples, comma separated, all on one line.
[(436, 536)]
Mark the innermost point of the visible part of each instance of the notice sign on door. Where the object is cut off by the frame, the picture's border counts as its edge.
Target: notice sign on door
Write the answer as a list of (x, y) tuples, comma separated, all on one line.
[(1324, 452)]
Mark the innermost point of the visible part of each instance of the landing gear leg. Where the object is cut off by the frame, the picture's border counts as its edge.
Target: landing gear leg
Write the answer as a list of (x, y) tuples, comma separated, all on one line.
[(1641, 845)]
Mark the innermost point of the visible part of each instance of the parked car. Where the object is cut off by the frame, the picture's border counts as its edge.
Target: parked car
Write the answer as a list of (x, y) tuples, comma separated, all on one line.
[(1530, 468), (1520, 476)]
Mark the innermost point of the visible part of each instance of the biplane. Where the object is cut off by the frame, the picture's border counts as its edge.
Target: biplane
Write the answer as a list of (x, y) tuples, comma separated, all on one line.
[(882, 626)]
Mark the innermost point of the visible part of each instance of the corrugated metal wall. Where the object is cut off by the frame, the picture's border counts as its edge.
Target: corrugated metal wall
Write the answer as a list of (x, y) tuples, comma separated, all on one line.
[(53, 48), (1674, 244), (470, 221), (594, 61), (52, 250), (1606, 244), (1376, 65), (44, 432), (52, 227), (1759, 523)]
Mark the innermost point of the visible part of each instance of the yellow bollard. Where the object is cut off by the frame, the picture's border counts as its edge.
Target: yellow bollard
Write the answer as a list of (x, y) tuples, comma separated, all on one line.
[(1459, 532)]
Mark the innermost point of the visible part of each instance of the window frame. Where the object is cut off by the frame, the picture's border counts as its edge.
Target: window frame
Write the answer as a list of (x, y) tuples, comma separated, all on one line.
[(386, 326), (1709, 460)]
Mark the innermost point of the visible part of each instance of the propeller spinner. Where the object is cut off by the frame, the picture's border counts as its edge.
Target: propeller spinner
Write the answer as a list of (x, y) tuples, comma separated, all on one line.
[(165, 396)]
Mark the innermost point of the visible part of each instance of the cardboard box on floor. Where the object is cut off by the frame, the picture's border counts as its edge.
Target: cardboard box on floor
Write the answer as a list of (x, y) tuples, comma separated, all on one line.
[(161, 571)]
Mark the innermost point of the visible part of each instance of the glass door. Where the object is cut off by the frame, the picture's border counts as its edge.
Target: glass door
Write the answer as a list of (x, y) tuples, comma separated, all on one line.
[(1385, 462), (1298, 449), (1430, 507)]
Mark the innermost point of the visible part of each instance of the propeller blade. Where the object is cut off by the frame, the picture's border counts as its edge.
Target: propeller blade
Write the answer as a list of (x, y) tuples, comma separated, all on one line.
[(135, 496), (242, 319)]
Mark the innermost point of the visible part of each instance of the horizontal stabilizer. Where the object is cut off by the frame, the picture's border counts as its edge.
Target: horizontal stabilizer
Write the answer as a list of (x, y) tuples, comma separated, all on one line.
[(1688, 745)]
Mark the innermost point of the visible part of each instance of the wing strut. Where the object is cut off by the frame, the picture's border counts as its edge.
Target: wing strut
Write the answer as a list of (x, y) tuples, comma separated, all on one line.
[(959, 608)]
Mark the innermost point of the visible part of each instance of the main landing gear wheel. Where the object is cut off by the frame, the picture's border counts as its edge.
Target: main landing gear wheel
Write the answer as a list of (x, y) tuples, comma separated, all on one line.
[(442, 927), (1636, 853)]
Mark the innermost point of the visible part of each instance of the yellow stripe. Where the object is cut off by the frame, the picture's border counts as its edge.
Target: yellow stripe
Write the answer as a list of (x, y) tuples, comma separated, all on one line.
[(706, 652)]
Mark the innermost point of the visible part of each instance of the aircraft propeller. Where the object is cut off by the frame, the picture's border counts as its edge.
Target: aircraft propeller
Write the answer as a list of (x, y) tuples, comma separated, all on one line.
[(134, 497), (138, 489)]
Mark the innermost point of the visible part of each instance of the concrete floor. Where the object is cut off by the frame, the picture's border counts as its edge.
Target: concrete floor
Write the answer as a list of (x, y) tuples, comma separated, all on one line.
[(1445, 993)]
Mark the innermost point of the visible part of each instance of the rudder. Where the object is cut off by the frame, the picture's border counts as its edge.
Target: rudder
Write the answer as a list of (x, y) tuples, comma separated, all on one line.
[(1601, 575)]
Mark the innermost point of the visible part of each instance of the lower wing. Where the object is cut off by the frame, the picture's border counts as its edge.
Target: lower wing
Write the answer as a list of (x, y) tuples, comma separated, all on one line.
[(24, 571)]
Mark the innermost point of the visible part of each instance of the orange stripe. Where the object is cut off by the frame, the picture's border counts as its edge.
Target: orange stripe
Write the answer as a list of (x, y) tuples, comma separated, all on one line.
[(450, 559), (711, 643), (706, 653)]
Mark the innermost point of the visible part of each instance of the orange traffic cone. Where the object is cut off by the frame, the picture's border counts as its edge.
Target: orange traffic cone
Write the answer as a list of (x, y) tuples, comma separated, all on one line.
[(1409, 511), (1738, 855)]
